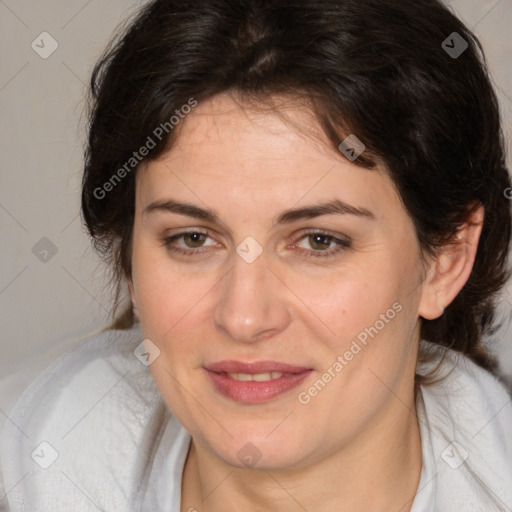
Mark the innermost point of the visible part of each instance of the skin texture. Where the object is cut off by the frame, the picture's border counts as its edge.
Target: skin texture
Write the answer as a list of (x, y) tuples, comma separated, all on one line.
[(356, 444)]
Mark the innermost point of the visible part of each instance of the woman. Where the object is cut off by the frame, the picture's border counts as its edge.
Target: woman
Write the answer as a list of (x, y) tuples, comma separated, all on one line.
[(307, 203)]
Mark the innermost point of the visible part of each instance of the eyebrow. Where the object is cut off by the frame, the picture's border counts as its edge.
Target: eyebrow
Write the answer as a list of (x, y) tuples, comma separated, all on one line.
[(288, 216)]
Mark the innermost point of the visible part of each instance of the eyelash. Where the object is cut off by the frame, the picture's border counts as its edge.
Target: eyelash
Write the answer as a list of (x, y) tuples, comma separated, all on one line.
[(342, 244)]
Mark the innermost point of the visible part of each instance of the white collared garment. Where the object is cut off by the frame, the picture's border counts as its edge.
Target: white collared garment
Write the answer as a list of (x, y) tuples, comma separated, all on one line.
[(93, 433)]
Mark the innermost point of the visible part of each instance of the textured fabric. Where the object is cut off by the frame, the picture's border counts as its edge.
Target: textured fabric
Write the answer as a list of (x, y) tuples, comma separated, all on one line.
[(97, 421)]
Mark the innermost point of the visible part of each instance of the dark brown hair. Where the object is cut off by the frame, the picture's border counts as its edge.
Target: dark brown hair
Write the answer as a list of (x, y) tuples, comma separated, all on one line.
[(376, 69)]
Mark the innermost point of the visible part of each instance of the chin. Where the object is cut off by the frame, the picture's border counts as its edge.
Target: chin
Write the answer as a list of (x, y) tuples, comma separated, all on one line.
[(261, 452)]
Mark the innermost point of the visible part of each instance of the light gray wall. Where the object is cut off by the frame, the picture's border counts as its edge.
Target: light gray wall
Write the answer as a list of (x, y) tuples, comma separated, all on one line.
[(45, 306)]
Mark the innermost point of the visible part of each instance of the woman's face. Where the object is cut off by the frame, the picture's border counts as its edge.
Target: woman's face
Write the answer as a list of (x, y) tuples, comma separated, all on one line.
[(249, 276)]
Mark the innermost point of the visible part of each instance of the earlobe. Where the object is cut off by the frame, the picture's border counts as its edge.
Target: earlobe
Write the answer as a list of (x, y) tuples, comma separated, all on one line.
[(431, 306), (451, 269)]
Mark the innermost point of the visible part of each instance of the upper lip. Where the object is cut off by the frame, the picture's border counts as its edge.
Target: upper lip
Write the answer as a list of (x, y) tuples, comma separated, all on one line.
[(255, 367)]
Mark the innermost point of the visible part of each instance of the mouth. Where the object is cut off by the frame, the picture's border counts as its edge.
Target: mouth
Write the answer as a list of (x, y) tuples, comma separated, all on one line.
[(255, 383)]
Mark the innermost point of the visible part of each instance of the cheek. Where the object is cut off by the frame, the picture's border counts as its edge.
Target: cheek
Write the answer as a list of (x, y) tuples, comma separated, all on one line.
[(163, 295), (349, 301), (172, 307), (371, 321)]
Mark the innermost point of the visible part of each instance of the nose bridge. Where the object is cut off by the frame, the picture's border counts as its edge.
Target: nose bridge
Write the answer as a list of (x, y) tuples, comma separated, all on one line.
[(250, 304)]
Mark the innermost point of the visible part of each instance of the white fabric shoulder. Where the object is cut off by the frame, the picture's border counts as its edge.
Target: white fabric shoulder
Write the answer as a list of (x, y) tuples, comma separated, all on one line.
[(466, 428), (83, 436)]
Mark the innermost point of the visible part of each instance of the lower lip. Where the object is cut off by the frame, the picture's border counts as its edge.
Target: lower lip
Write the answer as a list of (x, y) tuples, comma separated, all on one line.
[(254, 392)]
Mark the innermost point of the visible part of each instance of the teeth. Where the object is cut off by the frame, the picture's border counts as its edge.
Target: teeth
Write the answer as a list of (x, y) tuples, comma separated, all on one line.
[(258, 377)]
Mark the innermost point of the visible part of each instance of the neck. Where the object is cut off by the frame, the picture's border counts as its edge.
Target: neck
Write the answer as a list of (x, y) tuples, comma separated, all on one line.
[(377, 470)]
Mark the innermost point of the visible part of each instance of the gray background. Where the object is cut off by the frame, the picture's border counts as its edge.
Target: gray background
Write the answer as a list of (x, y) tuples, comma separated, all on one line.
[(45, 307)]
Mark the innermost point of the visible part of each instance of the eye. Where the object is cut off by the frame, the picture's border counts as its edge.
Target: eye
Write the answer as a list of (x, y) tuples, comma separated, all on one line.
[(193, 240), (320, 242), (323, 244)]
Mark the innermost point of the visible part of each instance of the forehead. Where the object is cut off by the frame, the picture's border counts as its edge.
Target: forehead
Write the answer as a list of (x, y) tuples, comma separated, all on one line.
[(234, 131), (241, 152)]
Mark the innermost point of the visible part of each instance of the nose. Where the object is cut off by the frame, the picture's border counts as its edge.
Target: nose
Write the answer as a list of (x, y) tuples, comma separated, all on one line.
[(252, 303)]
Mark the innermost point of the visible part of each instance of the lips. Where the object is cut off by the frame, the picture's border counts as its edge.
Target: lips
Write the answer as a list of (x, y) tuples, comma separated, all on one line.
[(255, 383), (257, 367)]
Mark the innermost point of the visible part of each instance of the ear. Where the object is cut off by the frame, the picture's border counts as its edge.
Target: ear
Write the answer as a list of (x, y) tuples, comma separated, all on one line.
[(450, 270)]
